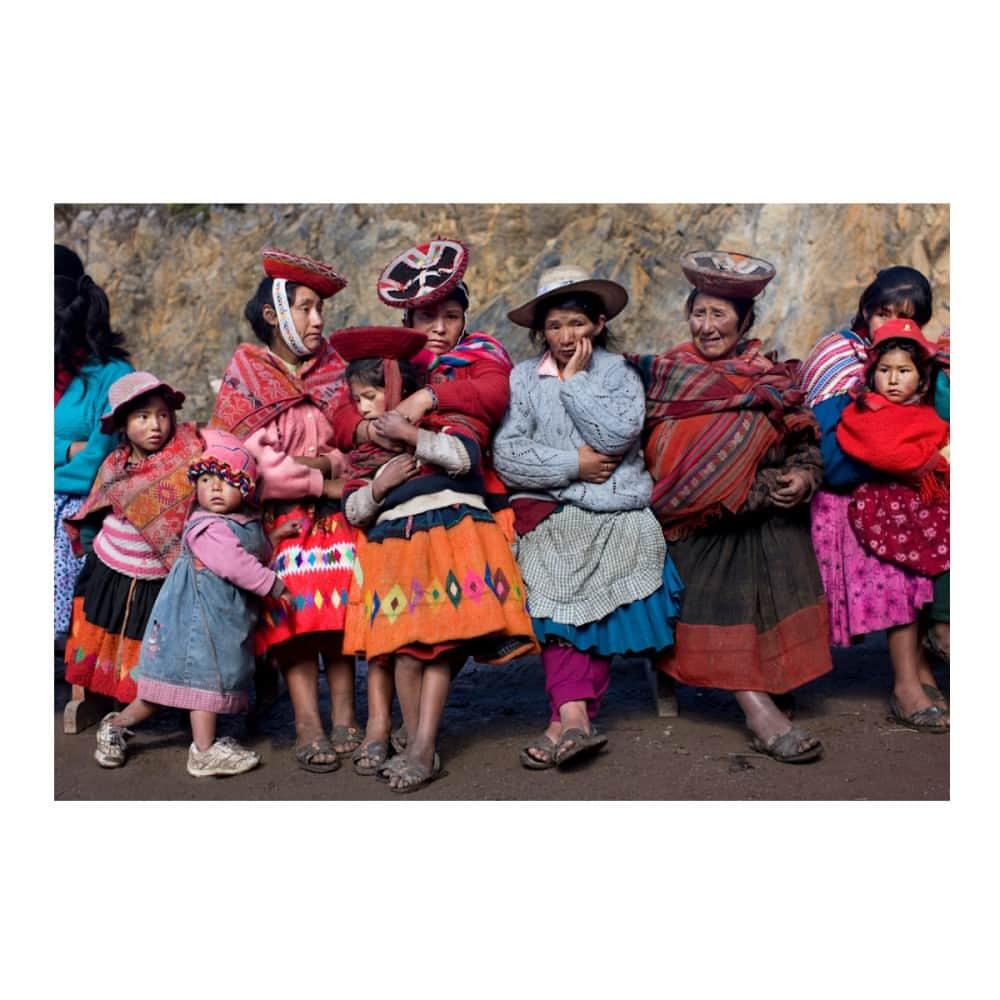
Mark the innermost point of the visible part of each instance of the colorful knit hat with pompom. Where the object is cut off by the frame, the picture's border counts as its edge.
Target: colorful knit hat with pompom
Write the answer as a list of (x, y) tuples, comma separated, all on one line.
[(225, 456)]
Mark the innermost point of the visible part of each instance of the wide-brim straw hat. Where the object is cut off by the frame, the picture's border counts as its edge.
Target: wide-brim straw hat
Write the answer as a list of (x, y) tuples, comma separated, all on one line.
[(423, 275), (132, 386), (566, 278), (314, 274), (356, 342), (726, 273)]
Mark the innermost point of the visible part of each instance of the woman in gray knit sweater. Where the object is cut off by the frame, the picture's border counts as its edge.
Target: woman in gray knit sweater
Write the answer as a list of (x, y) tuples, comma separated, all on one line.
[(592, 555)]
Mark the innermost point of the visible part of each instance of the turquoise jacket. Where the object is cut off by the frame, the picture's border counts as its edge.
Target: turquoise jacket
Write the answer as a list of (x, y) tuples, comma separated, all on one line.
[(78, 418)]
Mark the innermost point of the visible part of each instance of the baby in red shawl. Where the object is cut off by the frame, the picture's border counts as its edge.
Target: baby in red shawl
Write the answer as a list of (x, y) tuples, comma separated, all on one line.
[(904, 518)]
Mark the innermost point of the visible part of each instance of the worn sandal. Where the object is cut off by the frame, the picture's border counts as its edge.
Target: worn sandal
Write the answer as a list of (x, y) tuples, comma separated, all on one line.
[(376, 753), (931, 719), (384, 771), (346, 734), (398, 739), (422, 776), (304, 756), (786, 747), (575, 744), (936, 695), (544, 744)]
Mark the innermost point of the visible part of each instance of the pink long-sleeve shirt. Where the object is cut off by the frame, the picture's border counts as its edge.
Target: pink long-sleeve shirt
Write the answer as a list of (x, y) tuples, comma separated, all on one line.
[(299, 430), (213, 544)]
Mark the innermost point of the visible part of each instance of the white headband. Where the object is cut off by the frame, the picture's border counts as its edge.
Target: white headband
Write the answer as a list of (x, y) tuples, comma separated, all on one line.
[(286, 324)]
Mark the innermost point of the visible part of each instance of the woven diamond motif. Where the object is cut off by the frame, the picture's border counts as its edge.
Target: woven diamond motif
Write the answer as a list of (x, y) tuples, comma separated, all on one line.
[(434, 596), (500, 586), (335, 598), (394, 603), (318, 599), (374, 603), (473, 586), (453, 589)]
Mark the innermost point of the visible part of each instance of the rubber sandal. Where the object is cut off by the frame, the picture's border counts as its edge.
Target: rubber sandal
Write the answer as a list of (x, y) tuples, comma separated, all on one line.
[(936, 695), (304, 756), (784, 747), (398, 739), (390, 767), (346, 734), (932, 645), (580, 744), (927, 720), (423, 775), (544, 744), (376, 752)]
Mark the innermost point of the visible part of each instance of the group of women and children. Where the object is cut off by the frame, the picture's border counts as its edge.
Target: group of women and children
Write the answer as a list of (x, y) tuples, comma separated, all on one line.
[(406, 495)]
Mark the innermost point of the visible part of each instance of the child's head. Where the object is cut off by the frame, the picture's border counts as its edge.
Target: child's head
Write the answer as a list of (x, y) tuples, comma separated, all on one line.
[(898, 365), (366, 381), (901, 292), (142, 408), (225, 475)]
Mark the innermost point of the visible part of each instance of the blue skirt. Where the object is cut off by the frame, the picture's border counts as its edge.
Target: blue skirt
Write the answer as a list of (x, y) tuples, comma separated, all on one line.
[(646, 625)]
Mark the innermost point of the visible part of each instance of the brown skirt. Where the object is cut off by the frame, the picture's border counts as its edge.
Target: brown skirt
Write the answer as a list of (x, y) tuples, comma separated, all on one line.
[(754, 616)]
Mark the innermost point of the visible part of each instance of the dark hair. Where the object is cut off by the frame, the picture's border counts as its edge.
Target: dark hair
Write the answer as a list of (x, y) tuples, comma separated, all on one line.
[(459, 294), (744, 309), (253, 311), (82, 314), (920, 362), (371, 372), (591, 305), (903, 288)]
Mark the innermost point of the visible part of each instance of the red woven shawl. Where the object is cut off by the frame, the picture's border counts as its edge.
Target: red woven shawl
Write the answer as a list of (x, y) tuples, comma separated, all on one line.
[(257, 387), (153, 495), (709, 424)]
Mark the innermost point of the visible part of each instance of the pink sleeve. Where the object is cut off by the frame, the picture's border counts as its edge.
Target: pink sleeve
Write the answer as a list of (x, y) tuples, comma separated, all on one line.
[(281, 477), (218, 548)]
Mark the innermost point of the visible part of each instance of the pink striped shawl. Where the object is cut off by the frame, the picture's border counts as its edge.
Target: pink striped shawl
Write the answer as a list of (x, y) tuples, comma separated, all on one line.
[(833, 366)]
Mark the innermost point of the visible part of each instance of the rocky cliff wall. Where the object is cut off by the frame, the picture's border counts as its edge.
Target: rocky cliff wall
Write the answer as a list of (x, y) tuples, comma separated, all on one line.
[(178, 276)]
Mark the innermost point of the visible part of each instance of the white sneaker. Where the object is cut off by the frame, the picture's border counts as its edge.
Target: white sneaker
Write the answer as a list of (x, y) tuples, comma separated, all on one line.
[(111, 745), (224, 756)]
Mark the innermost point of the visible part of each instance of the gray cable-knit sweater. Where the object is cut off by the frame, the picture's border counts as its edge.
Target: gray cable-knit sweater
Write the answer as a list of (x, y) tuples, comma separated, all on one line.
[(548, 419)]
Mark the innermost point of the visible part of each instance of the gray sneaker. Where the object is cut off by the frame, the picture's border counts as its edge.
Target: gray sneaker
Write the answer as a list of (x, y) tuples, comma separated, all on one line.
[(224, 756), (111, 745)]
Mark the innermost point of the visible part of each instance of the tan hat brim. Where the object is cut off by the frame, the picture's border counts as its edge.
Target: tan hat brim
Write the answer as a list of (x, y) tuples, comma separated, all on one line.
[(612, 295)]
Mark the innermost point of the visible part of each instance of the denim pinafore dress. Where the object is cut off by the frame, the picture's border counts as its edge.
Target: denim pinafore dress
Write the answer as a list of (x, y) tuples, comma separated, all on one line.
[(198, 652)]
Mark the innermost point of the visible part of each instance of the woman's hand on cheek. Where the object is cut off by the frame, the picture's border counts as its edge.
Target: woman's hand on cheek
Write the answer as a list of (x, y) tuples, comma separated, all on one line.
[(581, 357)]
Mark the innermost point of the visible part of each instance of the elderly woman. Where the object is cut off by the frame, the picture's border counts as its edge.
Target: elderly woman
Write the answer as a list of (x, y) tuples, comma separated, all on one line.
[(866, 593), (591, 552), (736, 460), (281, 396), (89, 357)]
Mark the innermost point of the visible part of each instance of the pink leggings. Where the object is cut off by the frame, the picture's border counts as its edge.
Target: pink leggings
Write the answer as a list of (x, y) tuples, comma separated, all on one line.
[(574, 676)]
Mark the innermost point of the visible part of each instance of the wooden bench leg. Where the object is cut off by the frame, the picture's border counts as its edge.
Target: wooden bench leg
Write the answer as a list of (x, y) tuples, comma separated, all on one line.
[(84, 709), (664, 694)]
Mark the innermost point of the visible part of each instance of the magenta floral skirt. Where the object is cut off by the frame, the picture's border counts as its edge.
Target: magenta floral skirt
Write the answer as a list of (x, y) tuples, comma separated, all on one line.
[(864, 593)]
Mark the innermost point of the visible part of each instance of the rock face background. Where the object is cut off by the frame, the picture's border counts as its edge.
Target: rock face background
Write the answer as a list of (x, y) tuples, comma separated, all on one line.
[(178, 276)]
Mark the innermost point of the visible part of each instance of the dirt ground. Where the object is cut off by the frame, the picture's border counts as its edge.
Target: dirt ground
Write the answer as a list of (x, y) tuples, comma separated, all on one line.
[(701, 754)]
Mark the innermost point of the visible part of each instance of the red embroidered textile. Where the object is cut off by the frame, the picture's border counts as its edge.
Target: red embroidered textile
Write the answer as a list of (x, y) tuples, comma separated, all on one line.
[(153, 495), (257, 387)]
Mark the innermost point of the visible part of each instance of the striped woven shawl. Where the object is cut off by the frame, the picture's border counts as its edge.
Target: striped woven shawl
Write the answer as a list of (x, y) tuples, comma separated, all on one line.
[(709, 424), (257, 387)]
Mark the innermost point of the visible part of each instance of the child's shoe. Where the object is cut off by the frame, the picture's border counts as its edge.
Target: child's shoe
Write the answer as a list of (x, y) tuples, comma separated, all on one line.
[(224, 756), (111, 746)]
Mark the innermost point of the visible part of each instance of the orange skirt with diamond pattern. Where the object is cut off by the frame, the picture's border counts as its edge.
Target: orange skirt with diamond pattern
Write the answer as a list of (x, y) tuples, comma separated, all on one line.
[(441, 580), (317, 566)]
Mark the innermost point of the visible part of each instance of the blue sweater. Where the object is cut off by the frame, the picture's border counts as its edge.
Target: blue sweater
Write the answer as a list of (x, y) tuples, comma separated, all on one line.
[(78, 418)]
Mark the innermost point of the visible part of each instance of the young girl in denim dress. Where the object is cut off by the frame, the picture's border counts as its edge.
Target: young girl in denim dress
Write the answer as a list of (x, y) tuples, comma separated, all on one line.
[(197, 652)]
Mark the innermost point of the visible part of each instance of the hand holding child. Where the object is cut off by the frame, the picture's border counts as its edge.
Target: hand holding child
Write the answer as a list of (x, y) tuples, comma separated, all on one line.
[(396, 427), (394, 473)]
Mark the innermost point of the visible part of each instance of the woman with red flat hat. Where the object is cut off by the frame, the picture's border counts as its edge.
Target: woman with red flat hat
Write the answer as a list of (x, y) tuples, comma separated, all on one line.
[(281, 397)]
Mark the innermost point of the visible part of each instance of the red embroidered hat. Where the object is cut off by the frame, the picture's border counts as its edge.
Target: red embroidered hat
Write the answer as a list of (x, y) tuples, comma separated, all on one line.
[(377, 342), (903, 329), (424, 274), (132, 386), (726, 274), (314, 274)]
